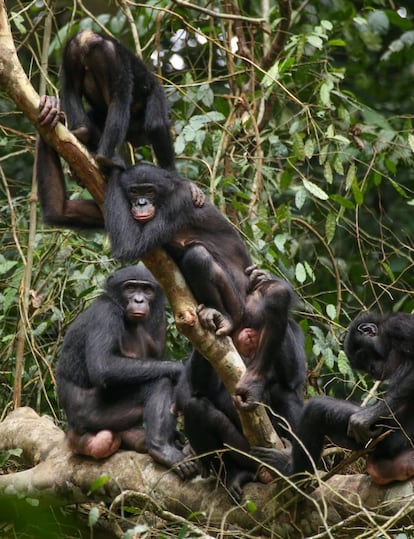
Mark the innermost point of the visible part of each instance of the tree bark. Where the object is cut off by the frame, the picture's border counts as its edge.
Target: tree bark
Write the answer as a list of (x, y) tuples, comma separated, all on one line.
[(60, 478)]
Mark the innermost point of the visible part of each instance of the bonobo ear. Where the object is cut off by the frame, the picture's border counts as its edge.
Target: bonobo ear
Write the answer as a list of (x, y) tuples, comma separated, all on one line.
[(368, 328)]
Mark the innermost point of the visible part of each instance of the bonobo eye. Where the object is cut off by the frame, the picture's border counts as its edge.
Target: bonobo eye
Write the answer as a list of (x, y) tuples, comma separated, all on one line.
[(144, 191), (368, 328)]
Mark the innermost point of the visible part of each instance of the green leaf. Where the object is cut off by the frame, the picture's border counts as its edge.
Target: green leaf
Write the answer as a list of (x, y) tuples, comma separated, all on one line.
[(298, 147), (251, 506), (309, 148), (330, 226), (93, 516), (350, 176), (100, 482), (344, 366), (314, 189), (327, 172), (315, 41), (325, 93), (300, 198), (411, 141), (356, 191), (331, 311), (300, 272)]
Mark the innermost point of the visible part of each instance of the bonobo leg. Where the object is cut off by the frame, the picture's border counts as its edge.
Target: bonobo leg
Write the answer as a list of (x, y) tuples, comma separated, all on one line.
[(322, 417), (160, 426), (214, 287), (210, 430), (399, 468)]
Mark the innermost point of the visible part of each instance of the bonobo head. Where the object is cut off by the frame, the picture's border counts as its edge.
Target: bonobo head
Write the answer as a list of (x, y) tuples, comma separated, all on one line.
[(366, 346), (136, 291), (147, 188)]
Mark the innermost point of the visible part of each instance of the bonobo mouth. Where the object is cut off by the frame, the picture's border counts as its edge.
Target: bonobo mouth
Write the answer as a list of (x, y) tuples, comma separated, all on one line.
[(137, 314), (142, 215)]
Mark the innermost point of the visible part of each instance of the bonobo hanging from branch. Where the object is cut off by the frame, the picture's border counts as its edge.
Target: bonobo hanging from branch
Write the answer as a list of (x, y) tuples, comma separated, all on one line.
[(125, 100), (57, 208), (111, 377), (382, 346)]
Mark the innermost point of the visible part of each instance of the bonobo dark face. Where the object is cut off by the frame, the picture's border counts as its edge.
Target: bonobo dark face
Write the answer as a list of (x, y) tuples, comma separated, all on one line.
[(138, 296), (366, 347), (142, 199)]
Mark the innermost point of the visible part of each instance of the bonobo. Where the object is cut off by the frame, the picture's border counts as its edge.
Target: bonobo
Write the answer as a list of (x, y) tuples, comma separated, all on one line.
[(383, 346), (57, 208), (148, 207), (125, 100), (272, 346), (111, 377)]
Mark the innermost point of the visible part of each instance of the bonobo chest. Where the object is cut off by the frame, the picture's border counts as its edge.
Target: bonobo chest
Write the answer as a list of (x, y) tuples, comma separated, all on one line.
[(138, 344)]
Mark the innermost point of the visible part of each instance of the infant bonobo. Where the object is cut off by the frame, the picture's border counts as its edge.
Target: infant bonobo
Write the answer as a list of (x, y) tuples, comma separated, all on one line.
[(111, 377), (383, 346)]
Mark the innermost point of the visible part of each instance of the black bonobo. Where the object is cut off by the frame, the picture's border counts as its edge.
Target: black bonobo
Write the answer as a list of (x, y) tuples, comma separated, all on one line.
[(148, 207), (111, 377), (57, 208), (272, 346), (383, 346), (125, 101)]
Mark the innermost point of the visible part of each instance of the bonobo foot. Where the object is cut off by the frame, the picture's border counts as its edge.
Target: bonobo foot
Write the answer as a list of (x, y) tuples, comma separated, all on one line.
[(235, 481), (173, 458), (99, 445), (280, 459), (134, 439)]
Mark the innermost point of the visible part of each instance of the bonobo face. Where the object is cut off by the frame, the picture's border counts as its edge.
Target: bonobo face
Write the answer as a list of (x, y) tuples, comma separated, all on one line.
[(142, 199), (364, 347), (138, 296)]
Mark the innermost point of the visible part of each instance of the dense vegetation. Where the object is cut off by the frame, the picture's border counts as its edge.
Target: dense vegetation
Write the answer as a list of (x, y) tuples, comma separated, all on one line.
[(301, 133)]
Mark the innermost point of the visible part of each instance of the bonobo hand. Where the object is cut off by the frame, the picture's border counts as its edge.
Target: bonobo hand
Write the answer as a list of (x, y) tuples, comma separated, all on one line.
[(256, 276), (214, 321), (361, 426), (197, 195), (248, 392), (49, 111)]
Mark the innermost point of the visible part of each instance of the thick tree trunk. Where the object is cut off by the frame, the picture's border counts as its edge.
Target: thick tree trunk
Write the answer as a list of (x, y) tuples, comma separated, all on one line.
[(343, 503)]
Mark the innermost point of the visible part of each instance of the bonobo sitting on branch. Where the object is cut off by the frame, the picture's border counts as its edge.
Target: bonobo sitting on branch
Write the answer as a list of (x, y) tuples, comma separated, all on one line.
[(272, 346), (111, 378), (383, 346), (57, 208), (148, 207)]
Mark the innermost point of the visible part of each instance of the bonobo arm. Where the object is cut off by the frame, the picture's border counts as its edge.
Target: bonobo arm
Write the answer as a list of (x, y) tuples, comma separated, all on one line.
[(106, 364), (57, 209), (361, 425)]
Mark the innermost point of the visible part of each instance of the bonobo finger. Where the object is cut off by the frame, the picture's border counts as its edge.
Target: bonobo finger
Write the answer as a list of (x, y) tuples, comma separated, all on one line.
[(244, 402), (197, 195), (49, 111), (249, 269)]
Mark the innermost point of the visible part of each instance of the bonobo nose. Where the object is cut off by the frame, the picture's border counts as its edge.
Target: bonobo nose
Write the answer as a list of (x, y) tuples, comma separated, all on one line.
[(142, 201)]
